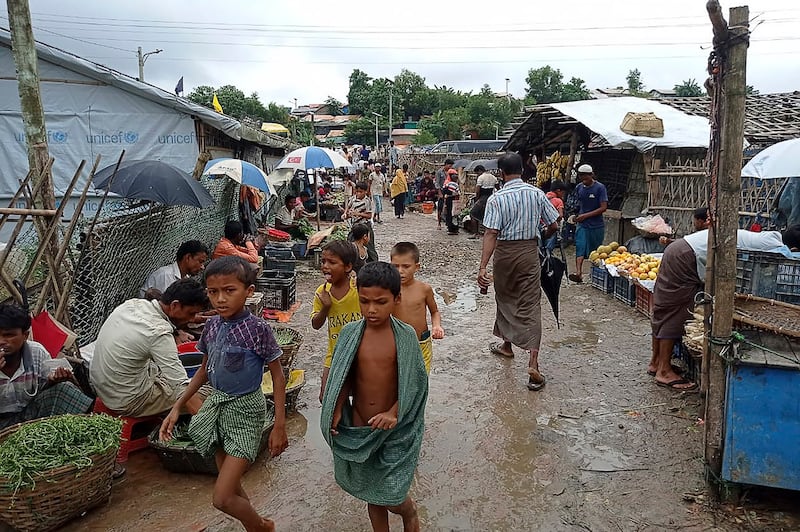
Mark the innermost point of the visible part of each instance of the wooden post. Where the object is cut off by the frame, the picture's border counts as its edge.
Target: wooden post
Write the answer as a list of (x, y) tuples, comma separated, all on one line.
[(573, 150), (732, 42), (24, 49)]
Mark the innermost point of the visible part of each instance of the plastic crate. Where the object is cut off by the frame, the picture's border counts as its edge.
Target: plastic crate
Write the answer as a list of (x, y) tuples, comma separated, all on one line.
[(277, 252), (625, 290), (644, 300), (691, 361), (287, 265), (768, 275), (279, 294), (269, 275), (602, 280)]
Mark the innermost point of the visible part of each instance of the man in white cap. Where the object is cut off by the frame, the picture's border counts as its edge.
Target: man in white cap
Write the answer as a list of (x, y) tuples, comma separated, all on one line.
[(593, 200), (377, 182)]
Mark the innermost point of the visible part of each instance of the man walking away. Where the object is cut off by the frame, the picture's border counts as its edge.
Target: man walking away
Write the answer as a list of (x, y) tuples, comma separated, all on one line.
[(512, 219), (377, 182), (394, 155), (593, 200)]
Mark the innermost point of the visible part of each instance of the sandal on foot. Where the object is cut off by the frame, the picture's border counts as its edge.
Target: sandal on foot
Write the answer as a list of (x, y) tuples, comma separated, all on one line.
[(495, 350), (536, 380), (677, 382), (575, 278), (677, 369)]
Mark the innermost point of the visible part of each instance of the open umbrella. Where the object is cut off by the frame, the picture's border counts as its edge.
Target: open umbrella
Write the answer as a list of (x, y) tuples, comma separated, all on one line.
[(551, 275), (153, 181), (240, 171), (777, 161), (313, 157)]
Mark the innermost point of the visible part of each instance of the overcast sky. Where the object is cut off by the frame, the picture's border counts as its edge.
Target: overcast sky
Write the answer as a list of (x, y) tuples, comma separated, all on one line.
[(306, 49)]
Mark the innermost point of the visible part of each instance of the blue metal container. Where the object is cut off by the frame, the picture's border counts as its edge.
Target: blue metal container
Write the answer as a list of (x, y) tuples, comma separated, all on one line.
[(762, 421)]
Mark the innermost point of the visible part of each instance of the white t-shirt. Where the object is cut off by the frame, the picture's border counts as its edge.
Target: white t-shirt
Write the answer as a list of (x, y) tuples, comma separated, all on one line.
[(486, 180), (161, 278), (377, 182), (284, 216), (745, 240)]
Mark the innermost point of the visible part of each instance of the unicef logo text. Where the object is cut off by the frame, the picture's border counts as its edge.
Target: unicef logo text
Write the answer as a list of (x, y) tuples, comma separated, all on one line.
[(120, 137), (53, 137)]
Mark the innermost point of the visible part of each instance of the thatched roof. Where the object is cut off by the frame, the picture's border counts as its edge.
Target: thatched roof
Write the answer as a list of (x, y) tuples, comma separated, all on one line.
[(769, 118)]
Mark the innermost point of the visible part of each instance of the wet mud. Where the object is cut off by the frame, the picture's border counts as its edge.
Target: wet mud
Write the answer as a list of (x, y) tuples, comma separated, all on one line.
[(600, 448)]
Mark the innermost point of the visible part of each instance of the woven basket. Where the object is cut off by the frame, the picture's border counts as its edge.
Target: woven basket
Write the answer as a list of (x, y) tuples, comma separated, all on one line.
[(187, 459), (767, 314), (295, 383), (60, 494), (289, 350)]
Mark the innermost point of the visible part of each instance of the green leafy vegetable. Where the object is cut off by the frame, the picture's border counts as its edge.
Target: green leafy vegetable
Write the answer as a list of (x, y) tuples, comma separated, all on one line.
[(52, 442), (285, 337)]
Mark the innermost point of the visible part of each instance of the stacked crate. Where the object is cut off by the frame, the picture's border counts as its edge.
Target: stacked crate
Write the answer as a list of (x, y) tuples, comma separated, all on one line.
[(278, 280)]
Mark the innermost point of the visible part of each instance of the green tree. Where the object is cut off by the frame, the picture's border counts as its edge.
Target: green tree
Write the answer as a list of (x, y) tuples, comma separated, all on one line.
[(334, 106), (362, 131), (202, 95), (234, 103), (411, 95), (424, 138), (359, 94), (688, 88), (546, 85), (276, 113), (634, 79)]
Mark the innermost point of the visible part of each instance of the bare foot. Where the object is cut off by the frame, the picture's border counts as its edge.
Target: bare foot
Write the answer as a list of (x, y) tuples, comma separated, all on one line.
[(268, 525)]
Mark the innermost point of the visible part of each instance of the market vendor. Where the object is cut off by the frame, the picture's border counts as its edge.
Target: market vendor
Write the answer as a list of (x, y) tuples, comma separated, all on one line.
[(28, 389), (135, 369), (428, 190), (236, 244), (190, 260), (288, 216), (681, 276)]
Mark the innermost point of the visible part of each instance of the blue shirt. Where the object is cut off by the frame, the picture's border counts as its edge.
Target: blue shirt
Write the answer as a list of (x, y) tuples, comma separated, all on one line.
[(516, 211), (590, 199), (237, 351)]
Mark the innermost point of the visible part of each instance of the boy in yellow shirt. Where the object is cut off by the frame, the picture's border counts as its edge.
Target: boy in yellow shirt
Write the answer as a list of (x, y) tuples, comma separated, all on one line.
[(336, 300), (416, 300)]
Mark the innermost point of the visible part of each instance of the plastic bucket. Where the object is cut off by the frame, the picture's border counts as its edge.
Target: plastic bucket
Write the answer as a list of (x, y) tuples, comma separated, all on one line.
[(191, 362), (427, 207)]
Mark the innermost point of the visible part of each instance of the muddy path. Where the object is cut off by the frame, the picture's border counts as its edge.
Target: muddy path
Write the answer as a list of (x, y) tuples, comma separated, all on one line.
[(601, 448)]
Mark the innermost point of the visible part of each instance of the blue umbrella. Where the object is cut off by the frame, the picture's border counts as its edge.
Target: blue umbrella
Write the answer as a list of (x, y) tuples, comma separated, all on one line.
[(153, 181), (240, 171), (313, 157)]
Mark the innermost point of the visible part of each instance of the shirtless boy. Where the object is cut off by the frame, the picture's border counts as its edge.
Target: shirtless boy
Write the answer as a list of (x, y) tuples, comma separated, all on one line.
[(378, 362), (416, 300)]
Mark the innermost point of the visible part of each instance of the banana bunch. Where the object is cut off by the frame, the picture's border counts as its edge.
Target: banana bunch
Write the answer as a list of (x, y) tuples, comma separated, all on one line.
[(552, 168)]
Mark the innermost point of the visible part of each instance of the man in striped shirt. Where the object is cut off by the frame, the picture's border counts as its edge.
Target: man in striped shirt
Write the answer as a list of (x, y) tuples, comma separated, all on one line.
[(513, 218)]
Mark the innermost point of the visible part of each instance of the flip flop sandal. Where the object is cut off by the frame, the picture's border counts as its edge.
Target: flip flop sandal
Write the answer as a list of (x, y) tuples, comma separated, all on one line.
[(495, 350), (575, 278), (677, 369), (671, 385), (536, 380)]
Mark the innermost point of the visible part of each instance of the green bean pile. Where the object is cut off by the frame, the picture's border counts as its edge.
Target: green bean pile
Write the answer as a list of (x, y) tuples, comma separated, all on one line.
[(285, 337), (52, 442)]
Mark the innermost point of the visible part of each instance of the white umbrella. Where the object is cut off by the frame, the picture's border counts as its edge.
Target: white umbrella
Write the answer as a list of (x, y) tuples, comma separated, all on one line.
[(779, 160), (313, 157), (240, 171)]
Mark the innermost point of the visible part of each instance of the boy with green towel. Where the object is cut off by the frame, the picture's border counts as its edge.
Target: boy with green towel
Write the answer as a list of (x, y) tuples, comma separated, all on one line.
[(376, 437)]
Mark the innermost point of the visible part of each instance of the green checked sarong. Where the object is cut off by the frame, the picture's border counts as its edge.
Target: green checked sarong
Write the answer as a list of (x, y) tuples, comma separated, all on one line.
[(231, 423), (377, 466), (56, 399)]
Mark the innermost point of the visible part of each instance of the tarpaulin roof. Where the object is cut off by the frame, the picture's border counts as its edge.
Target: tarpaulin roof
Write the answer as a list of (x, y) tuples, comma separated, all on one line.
[(603, 117), (230, 126)]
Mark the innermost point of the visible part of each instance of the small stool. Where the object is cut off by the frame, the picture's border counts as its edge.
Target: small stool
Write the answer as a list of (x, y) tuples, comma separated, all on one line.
[(128, 444)]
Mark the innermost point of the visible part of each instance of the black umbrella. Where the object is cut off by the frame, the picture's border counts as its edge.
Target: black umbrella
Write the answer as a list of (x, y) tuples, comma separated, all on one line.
[(153, 181), (552, 273)]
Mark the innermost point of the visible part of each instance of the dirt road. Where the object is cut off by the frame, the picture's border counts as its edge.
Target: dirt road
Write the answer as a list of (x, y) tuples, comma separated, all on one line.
[(601, 448)]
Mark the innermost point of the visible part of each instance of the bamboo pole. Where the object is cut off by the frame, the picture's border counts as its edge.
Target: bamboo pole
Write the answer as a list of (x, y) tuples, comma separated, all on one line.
[(29, 212), (725, 219), (573, 151)]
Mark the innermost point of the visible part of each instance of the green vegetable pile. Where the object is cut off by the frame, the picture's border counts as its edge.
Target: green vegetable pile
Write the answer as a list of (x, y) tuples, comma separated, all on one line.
[(285, 337), (306, 227), (340, 232), (48, 443)]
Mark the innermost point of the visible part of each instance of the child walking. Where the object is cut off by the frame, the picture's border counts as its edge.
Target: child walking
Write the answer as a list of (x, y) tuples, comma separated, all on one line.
[(336, 300), (236, 345), (376, 439), (416, 300)]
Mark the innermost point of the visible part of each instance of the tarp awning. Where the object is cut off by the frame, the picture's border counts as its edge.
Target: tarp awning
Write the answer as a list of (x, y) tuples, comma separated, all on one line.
[(271, 127)]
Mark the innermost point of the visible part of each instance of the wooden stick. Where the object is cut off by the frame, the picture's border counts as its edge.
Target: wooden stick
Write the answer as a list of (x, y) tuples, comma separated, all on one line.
[(30, 212), (22, 184)]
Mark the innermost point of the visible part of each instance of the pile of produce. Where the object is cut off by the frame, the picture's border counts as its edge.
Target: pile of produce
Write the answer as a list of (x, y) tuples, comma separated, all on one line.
[(552, 168), (340, 232), (642, 267), (285, 337), (52, 442), (306, 227)]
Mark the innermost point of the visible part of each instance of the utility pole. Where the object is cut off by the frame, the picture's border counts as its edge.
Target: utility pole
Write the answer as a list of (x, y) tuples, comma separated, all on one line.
[(143, 60), (728, 84), (24, 48), (508, 96)]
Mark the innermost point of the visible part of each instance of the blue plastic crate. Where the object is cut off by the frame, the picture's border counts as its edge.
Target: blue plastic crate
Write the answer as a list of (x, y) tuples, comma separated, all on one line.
[(602, 280), (625, 290), (768, 275)]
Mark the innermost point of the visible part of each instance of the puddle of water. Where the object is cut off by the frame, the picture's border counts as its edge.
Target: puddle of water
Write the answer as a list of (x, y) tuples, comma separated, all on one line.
[(460, 302), (593, 455)]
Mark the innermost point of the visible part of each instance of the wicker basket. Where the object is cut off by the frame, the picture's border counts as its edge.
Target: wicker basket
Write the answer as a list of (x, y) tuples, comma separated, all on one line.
[(60, 494), (294, 384), (187, 459), (290, 349)]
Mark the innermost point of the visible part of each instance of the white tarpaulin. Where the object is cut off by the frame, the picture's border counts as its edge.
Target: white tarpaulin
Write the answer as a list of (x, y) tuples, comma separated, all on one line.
[(605, 116), (777, 161)]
